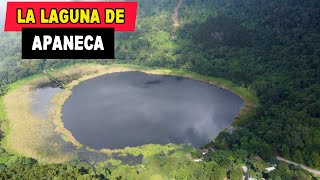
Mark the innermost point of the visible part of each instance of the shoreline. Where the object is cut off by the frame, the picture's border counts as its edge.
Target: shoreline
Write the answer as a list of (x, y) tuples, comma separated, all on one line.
[(83, 72)]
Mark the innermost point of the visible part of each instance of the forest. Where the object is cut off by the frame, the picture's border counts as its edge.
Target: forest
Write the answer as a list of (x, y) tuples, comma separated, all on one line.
[(270, 47)]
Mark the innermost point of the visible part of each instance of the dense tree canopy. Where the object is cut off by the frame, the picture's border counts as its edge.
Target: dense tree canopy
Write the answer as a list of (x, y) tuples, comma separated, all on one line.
[(269, 46)]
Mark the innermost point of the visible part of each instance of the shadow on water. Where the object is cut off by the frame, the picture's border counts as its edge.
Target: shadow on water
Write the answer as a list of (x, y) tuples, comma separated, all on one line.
[(153, 82)]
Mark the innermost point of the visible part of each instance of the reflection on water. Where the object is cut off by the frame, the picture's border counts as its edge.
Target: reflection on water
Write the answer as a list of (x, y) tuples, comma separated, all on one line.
[(41, 98), (125, 109)]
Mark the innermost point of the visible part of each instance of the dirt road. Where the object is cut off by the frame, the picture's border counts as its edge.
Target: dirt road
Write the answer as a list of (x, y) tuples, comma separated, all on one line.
[(175, 14), (313, 171)]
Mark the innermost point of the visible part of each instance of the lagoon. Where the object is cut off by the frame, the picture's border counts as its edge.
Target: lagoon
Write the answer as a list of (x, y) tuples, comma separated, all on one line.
[(133, 108)]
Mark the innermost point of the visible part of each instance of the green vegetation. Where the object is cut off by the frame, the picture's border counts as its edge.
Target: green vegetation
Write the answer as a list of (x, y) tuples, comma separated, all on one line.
[(2, 112), (25, 133), (17, 103), (23, 168), (269, 47)]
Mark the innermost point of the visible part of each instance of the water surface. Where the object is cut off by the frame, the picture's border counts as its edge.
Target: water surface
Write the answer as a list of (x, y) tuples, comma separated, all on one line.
[(133, 108), (41, 98)]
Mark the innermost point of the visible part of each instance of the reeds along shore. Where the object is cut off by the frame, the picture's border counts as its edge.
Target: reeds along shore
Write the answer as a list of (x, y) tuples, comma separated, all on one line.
[(30, 136)]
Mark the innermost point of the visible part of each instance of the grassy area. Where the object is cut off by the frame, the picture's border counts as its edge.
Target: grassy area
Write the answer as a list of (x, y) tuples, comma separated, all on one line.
[(30, 136), (55, 115), (148, 150), (27, 134), (3, 118)]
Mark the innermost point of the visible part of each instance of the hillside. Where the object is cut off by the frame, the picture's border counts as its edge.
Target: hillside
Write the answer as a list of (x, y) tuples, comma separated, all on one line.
[(270, 47)]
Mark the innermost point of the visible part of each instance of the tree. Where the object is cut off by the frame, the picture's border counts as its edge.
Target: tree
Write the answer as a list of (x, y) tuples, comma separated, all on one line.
[(236, 174)]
